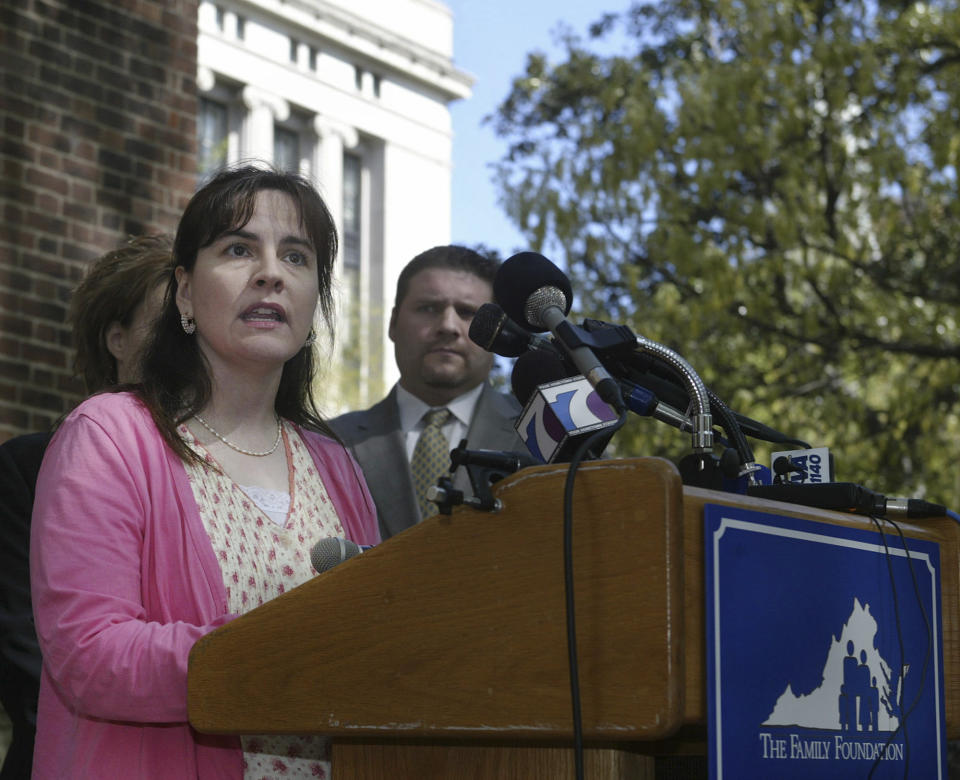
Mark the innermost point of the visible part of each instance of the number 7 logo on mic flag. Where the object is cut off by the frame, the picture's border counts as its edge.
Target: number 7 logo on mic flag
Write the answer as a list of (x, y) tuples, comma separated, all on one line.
[(560, 412)]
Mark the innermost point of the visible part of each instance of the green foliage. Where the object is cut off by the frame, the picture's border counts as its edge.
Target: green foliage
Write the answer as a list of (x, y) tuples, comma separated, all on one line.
[(352, 375), (770, 188)]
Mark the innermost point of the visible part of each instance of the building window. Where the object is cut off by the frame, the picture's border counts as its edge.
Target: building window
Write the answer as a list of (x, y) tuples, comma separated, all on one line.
[(313, 58), (358, 77), (294, 45), (376, 85), (212, 135), (241, 28), (352, 209), (286, 149), (221, 18)]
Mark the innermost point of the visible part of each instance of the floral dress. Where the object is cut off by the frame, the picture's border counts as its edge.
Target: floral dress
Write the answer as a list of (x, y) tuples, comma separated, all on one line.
[(260, 559)]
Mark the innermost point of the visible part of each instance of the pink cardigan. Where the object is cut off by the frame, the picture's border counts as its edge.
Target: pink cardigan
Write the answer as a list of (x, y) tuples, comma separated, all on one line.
[(124, 582)]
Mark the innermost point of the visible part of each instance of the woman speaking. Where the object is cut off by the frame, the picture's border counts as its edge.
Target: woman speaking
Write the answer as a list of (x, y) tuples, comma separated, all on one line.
[(171, 506)]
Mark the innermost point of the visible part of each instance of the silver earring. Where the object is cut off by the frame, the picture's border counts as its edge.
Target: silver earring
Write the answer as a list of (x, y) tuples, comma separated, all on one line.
[(188, 325)]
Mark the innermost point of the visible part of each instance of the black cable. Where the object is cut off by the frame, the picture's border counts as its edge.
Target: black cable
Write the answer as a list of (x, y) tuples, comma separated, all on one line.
[(929, 630), (729, 420), (573, 664), (666, 383), (896, 614), (732, 427), (903, 714)]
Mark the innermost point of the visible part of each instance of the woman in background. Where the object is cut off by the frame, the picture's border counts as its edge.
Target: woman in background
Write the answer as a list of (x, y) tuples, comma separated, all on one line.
[(114, 309), (164, 511), (111, 311)]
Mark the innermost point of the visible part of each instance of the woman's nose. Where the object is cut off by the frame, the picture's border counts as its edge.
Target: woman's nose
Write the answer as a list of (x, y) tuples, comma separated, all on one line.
[(268, 274)]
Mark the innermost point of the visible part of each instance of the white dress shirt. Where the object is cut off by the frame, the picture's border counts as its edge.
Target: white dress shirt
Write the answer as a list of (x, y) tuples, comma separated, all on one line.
[(412, 410)]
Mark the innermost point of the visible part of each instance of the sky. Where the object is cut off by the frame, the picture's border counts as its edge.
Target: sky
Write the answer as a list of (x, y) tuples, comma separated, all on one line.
[(491, 40)]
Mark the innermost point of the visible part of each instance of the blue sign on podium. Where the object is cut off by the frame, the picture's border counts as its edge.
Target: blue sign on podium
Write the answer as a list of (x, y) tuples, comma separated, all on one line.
[(824, 650)]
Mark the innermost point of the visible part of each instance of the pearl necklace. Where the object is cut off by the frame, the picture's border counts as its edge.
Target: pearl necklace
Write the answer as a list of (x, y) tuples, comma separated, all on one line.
[(241, 450)]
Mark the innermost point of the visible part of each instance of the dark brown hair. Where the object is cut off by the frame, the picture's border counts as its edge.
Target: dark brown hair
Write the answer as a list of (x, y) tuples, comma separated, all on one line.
[(452, 257), (115, 285), (176, 377)]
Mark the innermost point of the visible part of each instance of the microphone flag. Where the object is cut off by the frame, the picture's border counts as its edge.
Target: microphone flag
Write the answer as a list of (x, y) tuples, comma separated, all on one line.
[(558, 414), (810, 466)]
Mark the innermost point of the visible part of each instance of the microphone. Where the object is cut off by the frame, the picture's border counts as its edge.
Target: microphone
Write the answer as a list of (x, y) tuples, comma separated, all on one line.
[(807, 466), (333, 550), (557, 414), (495, 332), (912, 507), (533, 369), (642, 401), (484, 468), (847, 497), (606, 337), (494, 460), (537, 294)]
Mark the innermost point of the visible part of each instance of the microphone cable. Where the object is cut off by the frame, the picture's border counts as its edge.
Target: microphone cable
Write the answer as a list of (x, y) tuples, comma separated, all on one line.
[(727, 419), (901, 724), (570, 599), (662, 379), (930, 645), (903, 715), (734, 432)]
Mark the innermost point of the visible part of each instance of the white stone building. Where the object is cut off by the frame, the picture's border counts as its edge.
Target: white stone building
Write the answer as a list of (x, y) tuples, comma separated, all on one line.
[(354, 93)]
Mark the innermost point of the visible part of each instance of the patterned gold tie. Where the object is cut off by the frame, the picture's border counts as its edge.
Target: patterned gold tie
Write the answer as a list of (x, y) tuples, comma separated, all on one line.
[(431, 458)]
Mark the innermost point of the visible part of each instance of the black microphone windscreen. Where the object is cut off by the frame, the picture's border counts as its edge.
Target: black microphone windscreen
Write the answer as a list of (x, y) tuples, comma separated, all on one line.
[(519, 277), (493, 330), (533, 369), (486, 325)]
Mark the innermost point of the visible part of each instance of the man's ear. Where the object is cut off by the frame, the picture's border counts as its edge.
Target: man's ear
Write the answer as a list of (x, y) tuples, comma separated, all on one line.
[(393, 323), (116, 340)]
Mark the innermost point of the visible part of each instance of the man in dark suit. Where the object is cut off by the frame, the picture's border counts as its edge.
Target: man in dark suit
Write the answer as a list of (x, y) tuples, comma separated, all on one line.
[(443, 384)]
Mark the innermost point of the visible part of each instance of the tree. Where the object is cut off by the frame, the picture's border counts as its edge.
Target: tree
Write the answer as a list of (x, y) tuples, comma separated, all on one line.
[(771, 190)]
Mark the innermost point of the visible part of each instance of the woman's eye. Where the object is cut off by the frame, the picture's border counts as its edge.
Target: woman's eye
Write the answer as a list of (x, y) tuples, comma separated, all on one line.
[(237, 250), (297, 258)]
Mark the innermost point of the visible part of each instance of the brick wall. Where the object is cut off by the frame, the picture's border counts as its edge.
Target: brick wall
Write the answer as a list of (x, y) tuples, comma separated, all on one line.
[(97, 143)]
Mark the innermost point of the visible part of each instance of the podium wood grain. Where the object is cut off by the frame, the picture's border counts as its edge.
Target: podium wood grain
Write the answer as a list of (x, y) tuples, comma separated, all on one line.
[(456, 627)]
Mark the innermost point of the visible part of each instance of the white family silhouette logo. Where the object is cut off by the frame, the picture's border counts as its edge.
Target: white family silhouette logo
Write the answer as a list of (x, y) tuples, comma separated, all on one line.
[(858, 699)]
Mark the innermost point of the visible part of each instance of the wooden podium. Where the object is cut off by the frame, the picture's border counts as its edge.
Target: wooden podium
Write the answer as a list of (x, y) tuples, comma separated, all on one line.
[(442, 652)]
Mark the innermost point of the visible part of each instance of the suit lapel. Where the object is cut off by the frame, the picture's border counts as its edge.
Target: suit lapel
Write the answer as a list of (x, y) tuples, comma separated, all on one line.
[(380, 450), (391, 487), (492, 425), (490, 429)]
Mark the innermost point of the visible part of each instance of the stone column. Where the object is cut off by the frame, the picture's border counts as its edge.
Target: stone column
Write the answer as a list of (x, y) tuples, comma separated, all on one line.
[(263, 109), (332, 139)]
